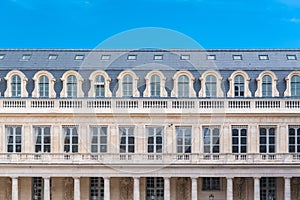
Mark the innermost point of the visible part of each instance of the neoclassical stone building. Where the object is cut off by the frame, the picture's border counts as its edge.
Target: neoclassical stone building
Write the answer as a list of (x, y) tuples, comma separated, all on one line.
[(149, 124)]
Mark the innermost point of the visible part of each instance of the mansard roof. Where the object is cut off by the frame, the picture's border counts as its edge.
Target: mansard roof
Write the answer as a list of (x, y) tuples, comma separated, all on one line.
[(277, 59)]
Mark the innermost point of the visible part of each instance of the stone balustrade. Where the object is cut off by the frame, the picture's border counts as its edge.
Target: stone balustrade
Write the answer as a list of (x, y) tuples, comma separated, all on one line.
[(145, 105)]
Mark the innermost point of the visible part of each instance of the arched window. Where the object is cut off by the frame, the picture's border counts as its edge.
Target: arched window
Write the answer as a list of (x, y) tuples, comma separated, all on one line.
[(16, 86), (211, 86), (295, 86), (239, 86), (127, 86), (155, 86), (266, 86), (99, 86), (71, 86), (43, 86), (183, 86)]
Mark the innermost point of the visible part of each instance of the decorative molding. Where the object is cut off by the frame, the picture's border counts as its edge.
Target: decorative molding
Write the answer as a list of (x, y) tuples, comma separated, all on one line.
[(135, 79), (287, 92), (163, 92), (202, 92), (68, 188), (106, 84), (63, 92), (24, 80), (247, 92), (192, 92), (52, 80), (275, 92)]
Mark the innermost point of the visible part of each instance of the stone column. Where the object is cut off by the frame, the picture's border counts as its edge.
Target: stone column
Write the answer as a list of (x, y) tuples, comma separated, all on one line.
[(136, 188), (15, 190), (106, 188), (76, 188), (287, 188), (194, 188), (229, 188), (47, 188), (167, 188), (256, 188)]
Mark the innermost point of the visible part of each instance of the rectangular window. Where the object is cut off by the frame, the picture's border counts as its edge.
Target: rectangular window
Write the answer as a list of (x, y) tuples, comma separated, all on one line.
[(42, 139), (97, 188), (126, 139), (294, 139), (158, 57), (267, 138), (184, 57), (79, 57), (105, 57), (291, 57), (52, 57), (263, 57), (211, 139), (237, 57), (2, 56), (154, 139), (37, 188), (98, 139), (211, 57), (131, 57), (268, 188), (70, 139), (210, 183), (154, 188), (239, 139), (14, 138), (184, 139), (26, 57)]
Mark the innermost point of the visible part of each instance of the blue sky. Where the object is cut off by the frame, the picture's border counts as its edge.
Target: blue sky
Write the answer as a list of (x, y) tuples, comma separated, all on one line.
[(211, 23)]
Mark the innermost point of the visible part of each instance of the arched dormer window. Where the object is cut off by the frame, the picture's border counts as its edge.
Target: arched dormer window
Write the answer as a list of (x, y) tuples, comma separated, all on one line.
[(99, 84), (183, 85), (266, 85), (127, 84), (72, 85), (155, 85), (43, 85), (16, 84), (211, 84), (239, 84), (292, 84)]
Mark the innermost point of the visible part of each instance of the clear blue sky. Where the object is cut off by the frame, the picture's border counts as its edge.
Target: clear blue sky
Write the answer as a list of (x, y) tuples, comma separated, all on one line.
[(212, 23)]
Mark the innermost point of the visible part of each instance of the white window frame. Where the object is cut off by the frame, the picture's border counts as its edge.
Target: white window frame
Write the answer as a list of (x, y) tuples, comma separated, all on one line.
[(42, 136), (231, 79), (106, 83), (8, 78), (14, 136), (191, 90), (64, 79), (210, 136), (267, 191), (294, 147), (186, 140), (101, 132), (267, 138), (163, 92), (158, 131), (219, 91), (239, 138), (288, 79), (259, 80), (135, 78), (36, 79), (72, 134), (127, 135), (37, 188)]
